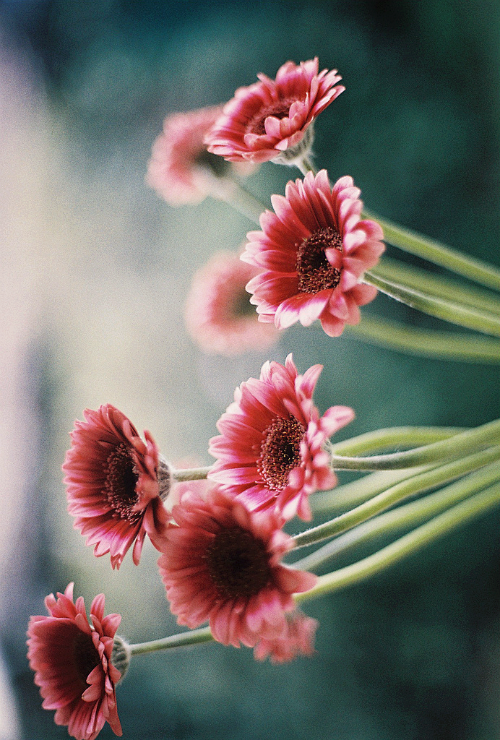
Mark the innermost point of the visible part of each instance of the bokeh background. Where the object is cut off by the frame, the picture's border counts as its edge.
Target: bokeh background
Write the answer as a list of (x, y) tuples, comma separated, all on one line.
[(94, 272)]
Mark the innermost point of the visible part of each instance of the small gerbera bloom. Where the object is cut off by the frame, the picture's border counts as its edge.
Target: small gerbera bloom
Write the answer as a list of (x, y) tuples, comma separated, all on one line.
[(222, 564), (298, 639), (271, 449), (71, 658), (271, 119), (115, 484), (218, 313), (312, 253), (181, 169)]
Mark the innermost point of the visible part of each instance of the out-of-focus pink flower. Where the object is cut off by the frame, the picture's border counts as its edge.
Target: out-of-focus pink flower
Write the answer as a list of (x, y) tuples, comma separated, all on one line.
[(222, 563), (114, 481), (219, 315), (71, 658), (298, 639), (271, 449), (181, 170), (312, 253), (271, 119)]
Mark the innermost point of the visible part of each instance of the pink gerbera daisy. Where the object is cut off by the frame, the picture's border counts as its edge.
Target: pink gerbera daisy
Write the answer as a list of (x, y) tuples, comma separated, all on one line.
[(219, 315), (115, 482), (271, 119), (271, 449), (222, 564), (298, 639), (71, 658), (312, 253), (181, 169)]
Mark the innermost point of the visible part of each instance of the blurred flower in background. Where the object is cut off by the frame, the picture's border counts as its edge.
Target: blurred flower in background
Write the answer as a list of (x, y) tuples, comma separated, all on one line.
[(219, 315)]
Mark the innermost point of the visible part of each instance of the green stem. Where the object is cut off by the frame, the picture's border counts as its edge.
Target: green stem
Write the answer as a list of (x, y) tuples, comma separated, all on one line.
[(446, 449), (244, 202), (195, 637), (438, 285), (426, 342), (409, 543), (186, 474), (351, 494), (403, 516), (382, 439), (438, 253), (454, 313), (410, 487), (305, 165)]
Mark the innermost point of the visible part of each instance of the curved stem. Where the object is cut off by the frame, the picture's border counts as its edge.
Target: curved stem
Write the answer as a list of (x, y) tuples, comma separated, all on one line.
[(446, 449), (419, 483), (351, 494), (425, 342), (185, 474), (195, 637), (438, 253), (454, 313), (382, 439), (403, 516), (409, 543), (244, 202), (305, 165), (438, 285)]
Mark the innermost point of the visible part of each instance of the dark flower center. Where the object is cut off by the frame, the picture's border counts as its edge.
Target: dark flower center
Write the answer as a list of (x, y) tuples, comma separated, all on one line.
[(280, 451), (213, 162), (241, 305), (313, 268), (238, 563), (121, 481), (85, 655), (280, 110)]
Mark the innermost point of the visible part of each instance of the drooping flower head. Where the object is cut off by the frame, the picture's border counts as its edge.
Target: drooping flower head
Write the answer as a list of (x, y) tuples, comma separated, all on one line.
[(271, 449), (298, 639), (71, 657), (181, 170), (271, 119), (312, 253), (114, 482), (222, 564), (219, 315)]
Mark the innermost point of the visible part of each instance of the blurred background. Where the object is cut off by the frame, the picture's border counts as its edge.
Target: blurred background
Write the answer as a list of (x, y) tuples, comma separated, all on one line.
[(94, 271)]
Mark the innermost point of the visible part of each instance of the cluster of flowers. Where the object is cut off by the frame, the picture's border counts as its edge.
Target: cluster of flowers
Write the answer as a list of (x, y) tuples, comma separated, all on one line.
[(222, 543)]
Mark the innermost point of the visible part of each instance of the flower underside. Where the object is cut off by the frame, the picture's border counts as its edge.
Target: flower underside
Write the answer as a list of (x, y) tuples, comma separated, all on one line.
[(237, 563), (280, 451), (121, 482), (313, 268), (85, 655)]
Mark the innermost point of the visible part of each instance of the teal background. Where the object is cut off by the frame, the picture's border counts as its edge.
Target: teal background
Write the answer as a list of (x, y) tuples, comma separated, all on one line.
[(413, 654)]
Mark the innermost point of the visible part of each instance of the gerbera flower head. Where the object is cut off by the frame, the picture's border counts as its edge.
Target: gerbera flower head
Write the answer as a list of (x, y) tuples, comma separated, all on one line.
[(115, 484), (222, 564), (298, 639), (71, 657), (270, 452), (181, 170), (312, 253), (271, 119), (218, 313)]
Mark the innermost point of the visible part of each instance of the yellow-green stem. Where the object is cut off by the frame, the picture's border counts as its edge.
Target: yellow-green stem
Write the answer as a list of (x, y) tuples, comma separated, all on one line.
[(418, 484), (430, 531), (404, 516), (439, 345), (438, 253)]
